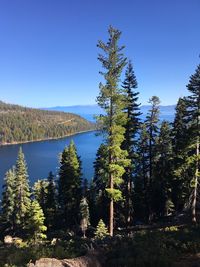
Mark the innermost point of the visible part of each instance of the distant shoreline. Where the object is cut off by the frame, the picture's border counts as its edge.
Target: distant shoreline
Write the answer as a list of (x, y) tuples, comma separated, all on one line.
[(46, 139)]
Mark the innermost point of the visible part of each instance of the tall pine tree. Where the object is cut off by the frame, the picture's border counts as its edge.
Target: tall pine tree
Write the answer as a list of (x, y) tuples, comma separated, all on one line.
[(111, 100), (69, 186), (99, 196), (8, 201), (21, 193), (51, 203), (129, 144), (181, 176), (193, 113), (140, 201), (151, 122), (162, 184)]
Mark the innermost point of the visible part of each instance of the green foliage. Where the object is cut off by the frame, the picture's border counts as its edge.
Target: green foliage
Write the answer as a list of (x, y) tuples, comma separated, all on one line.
[(45, 192), (181, 173), (132, 109), (21, 256), (40, 192), (8, 200), (21, 193), (51, 203), (112, 100), (101, 230), (153, 249), (69, 186), (144, 249), (85, 215), (98, 198), (193, 117), (162, 182), (146, 162), (35, 222), (20, 124), (171, 229)]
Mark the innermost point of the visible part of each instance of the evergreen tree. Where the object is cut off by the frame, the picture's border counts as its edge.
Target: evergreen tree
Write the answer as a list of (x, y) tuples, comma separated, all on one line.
[(40, 193), (193, 113), (69, 186), (112, 101), (85, 188), (101, 231), (85, 215), (162, 183), (8, 200), (152, 130), (181, 177), (21, 193), (51, 203), (132, 126), (100, 198), (35, 221), (140, 194)]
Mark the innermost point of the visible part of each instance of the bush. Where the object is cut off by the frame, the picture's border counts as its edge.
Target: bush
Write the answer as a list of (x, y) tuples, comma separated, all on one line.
[(153, 249)]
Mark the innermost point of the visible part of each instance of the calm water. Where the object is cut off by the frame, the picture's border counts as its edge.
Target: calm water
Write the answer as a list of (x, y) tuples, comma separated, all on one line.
[(42, 157)]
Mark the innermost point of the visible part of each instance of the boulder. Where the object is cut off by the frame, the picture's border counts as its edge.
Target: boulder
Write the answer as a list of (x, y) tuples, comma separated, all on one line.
[(84, 261)]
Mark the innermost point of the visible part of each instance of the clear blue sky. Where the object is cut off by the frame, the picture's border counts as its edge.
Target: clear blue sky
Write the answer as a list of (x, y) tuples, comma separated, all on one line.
[(48, 53)]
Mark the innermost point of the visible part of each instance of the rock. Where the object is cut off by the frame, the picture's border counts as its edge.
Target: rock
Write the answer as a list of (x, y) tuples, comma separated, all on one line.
[(84, 261), (47, 262)]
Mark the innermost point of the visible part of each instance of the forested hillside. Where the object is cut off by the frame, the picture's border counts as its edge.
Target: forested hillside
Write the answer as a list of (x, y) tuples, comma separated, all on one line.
[(21, 124)]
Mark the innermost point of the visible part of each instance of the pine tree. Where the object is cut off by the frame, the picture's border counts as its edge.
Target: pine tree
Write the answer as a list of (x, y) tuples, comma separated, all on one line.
[(51, 202), (21, 193), (8, 201), (181, 177), (112, 101), (69, 186), (152, 130), (140, 194), (85, 215), (162, 183), (99, 184), (35, 222), (101, 230), (40, 193), (193, 113), (132, 126)]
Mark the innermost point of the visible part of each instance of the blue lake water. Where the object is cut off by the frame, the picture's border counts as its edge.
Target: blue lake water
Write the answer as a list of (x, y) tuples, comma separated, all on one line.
[(42, 157)]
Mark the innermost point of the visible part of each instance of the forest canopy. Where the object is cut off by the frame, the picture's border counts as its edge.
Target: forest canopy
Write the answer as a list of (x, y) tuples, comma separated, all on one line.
[(22, 124)]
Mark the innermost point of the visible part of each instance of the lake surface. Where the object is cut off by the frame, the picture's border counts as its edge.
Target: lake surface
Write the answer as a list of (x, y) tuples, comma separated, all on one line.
[(43, 157)]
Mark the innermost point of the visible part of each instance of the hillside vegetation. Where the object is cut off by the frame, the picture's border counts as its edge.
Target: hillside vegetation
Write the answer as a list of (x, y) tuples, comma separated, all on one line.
[(21, 124)]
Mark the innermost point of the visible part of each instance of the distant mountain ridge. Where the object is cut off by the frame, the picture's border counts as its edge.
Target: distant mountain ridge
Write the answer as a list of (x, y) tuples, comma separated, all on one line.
[(88, 111)]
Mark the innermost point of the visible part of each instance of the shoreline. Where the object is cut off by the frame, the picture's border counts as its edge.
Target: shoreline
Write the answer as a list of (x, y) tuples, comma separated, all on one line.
[(46, 139)]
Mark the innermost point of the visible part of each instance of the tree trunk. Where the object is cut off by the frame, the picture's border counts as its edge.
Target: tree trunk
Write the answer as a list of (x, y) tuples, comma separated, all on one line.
[(111, 182), (128, 199), (194, 200), (150, 178), (111, 216)]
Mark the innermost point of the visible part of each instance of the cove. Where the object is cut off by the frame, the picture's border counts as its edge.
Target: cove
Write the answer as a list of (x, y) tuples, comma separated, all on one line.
[(43, 157)]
